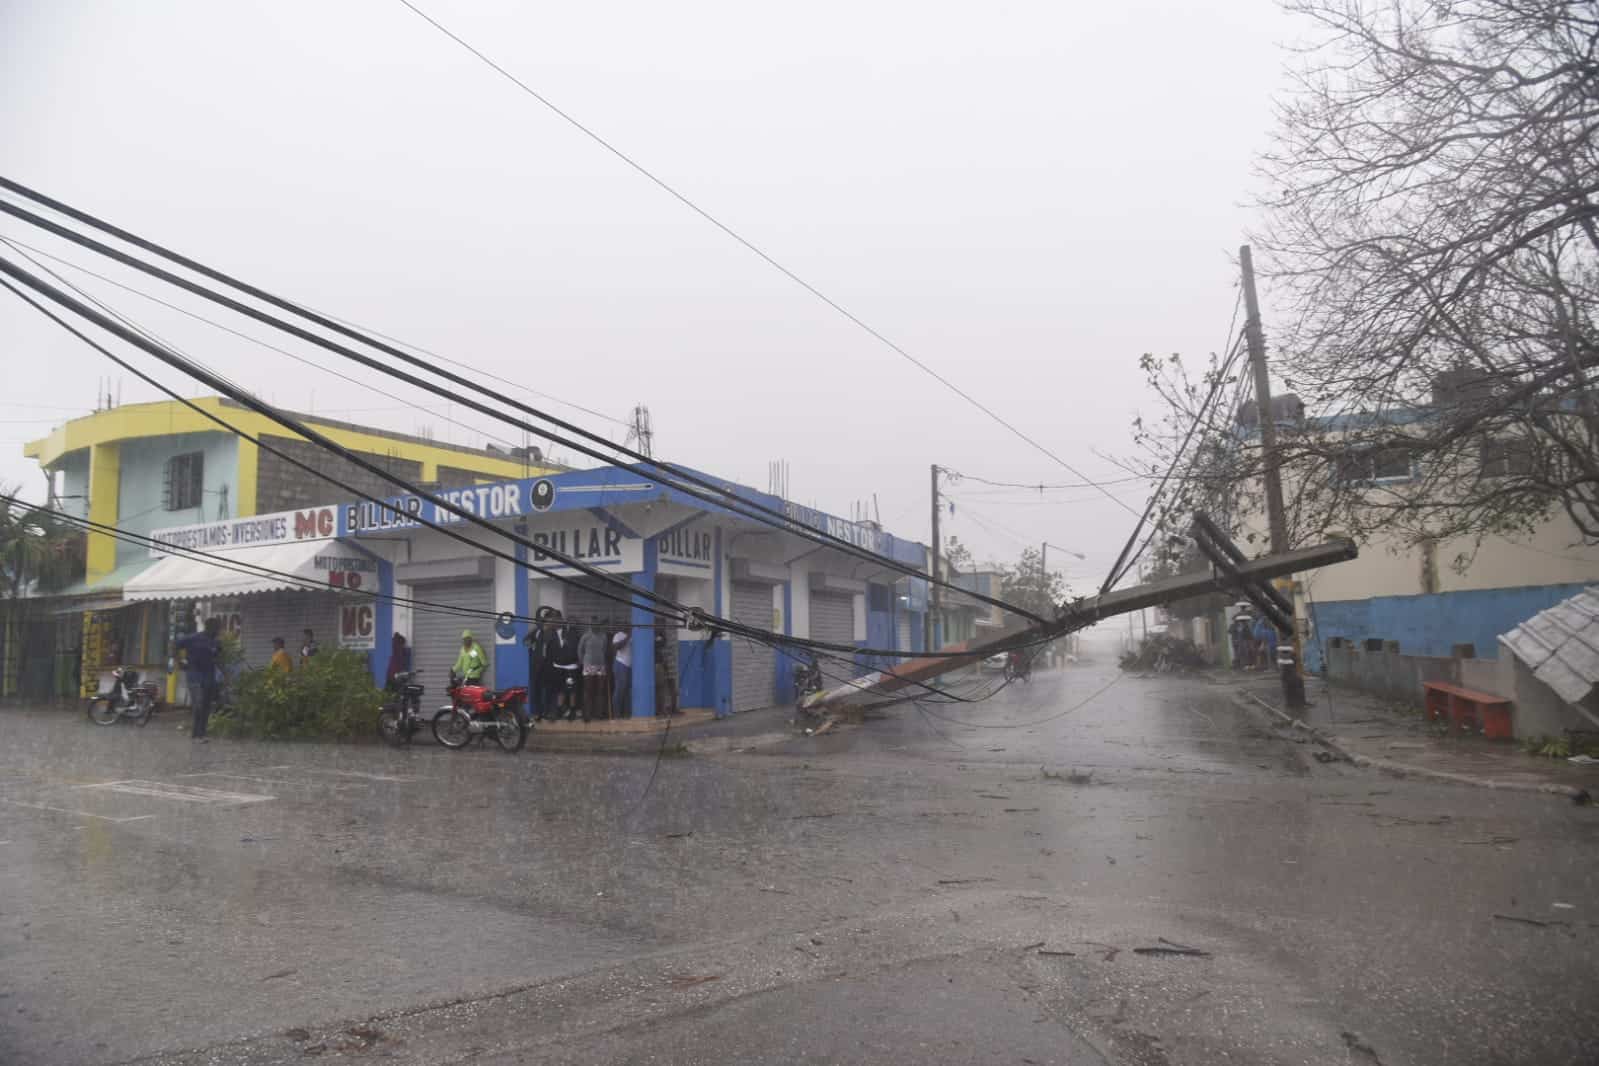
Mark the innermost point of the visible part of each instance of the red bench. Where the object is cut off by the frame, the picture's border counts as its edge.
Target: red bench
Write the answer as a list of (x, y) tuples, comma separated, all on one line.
[(1466, 710)]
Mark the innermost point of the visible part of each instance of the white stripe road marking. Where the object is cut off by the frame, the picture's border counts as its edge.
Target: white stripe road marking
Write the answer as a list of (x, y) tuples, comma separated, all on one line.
[(186, 793), (80, 814), (283, 781), (344, 773)]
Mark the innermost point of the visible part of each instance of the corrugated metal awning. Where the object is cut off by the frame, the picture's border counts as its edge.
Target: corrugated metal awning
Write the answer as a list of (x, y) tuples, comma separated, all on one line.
[(1561, 645), (187, 577)]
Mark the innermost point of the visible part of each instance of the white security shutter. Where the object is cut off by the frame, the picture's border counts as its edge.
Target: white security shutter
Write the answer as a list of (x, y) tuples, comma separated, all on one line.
[(436, 635), (754, 664)]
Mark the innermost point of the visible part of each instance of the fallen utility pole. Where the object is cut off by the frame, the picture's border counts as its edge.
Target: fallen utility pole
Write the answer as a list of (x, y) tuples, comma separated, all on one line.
[(904, 680)]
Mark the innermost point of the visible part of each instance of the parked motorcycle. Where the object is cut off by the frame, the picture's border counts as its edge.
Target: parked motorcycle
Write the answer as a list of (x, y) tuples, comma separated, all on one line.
[(128, 697), (475, 711), (401, 714), (807, 679)]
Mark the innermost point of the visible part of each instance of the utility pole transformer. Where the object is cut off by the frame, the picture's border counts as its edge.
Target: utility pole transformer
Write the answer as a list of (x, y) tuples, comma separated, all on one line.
[(931, 626)]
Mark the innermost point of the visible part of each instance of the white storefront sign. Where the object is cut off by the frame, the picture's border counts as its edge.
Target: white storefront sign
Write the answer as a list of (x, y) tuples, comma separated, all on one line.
[(283, 527), (358, 625), (688, 551), (593, 544)]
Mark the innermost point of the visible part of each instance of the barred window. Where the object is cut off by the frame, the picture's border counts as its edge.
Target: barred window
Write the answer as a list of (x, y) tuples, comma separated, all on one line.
[(1506, 457), (185, 481)]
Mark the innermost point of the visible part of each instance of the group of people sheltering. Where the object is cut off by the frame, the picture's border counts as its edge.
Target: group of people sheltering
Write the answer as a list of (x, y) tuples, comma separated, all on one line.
[(201, 655), (587, 670), (1254, 641), (573, 669)]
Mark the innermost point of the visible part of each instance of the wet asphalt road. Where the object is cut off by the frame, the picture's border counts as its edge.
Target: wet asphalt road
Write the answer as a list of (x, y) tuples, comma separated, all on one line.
[(914, 890)]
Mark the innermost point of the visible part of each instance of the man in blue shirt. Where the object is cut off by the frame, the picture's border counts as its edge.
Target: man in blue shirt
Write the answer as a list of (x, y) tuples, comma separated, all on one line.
[(201, 652)]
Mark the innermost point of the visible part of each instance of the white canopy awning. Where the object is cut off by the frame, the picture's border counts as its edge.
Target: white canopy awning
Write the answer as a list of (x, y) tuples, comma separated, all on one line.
[(184, 577)]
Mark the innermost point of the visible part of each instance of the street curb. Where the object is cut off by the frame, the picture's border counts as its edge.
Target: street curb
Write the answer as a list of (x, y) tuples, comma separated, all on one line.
[(1399, 769)]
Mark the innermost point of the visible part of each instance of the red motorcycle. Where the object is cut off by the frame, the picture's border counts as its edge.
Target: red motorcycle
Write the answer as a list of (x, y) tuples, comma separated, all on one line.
[(481, 712)]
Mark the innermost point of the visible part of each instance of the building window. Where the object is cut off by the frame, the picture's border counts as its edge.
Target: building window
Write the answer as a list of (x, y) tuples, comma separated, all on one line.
[(1506, 457), (185, 479), (1395, 463)]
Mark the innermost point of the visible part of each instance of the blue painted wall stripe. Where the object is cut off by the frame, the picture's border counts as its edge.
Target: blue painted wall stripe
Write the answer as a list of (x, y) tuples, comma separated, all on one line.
[(1433, 624)]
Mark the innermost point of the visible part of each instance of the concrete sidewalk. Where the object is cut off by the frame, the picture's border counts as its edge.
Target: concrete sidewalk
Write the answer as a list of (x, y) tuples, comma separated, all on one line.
[(1378, 733)]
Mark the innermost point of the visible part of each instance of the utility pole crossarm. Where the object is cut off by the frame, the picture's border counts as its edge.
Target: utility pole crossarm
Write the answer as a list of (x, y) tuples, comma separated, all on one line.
[(889, 686)]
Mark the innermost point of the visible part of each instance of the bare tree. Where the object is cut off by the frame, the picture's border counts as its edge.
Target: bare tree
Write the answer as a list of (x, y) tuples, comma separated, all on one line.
[(1433, 230)]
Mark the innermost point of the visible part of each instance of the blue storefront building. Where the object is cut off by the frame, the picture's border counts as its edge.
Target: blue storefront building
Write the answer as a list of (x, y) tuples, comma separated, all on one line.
[(623, 522)]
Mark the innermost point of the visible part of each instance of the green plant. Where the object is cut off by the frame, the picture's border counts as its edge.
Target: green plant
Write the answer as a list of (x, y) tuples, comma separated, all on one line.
[(1547, 747), (330, 697)]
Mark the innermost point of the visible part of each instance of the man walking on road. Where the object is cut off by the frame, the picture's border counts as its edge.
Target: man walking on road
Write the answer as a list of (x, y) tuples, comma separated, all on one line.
[(200, 653)]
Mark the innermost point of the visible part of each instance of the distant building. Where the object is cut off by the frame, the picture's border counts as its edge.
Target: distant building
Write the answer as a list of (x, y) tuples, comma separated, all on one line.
[(1432, 596)]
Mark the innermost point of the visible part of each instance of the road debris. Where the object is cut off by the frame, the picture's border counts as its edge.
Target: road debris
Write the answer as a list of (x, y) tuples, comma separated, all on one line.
[(1164, 654), (1169, 947), (1071, 777), (964, 880), (1527, 921), (1057, 952), (689, 980)]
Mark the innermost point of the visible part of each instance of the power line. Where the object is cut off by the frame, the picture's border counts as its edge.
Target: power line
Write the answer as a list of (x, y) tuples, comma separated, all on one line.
[(211, 380), (19, 246), (222, 561), (725, 497), (751, 246), (1118, 570), (1034, 486)]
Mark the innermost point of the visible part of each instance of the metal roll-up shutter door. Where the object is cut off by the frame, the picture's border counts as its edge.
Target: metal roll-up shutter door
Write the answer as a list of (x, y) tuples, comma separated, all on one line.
[(286, 614), (833, 620), (754, 664), (588, 598), (436, 636), (833, 617)]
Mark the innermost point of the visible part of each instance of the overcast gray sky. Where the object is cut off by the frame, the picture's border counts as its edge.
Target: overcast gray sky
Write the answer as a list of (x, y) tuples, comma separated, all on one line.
[(1025, 195)]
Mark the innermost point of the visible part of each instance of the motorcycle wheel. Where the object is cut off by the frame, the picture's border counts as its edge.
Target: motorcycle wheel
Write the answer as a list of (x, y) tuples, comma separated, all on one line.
[(393, 728), (102, 711), (146, 709), (452, 728), (508, 731)]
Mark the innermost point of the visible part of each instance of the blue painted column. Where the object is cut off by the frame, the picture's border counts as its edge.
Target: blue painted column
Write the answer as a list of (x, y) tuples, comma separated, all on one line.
[(643, 680), (519, 673), (383, 616), (783, 683)]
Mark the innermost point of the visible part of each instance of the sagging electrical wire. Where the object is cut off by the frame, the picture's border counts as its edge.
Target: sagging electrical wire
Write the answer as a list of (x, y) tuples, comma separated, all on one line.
[(1123, 564), (300, 582), (756, 250), (724, 496), (243, 398)]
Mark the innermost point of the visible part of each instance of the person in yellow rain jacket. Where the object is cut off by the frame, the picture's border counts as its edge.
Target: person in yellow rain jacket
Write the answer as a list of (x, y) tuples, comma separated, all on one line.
[(472, 662), (280, 657)]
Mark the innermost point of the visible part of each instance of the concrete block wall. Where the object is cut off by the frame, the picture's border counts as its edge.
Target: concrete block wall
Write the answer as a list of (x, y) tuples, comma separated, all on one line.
[(282, 486), (1392, 674)]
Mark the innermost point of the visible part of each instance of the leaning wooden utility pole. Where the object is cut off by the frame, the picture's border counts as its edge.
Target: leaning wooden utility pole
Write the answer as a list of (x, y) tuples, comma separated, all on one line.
[(1256, 339), (931, 629), (1270, 458)]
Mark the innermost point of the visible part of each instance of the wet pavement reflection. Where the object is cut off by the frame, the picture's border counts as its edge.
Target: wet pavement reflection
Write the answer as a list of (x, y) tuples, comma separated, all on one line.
[(160, 895)]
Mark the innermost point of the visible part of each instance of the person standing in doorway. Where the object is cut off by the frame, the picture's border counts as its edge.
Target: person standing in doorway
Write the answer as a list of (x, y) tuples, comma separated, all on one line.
[(549, 678), (280, 657), (562, 653), (308, 647), (591, 653), (399, 658), (201, 653), (622, 673)]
